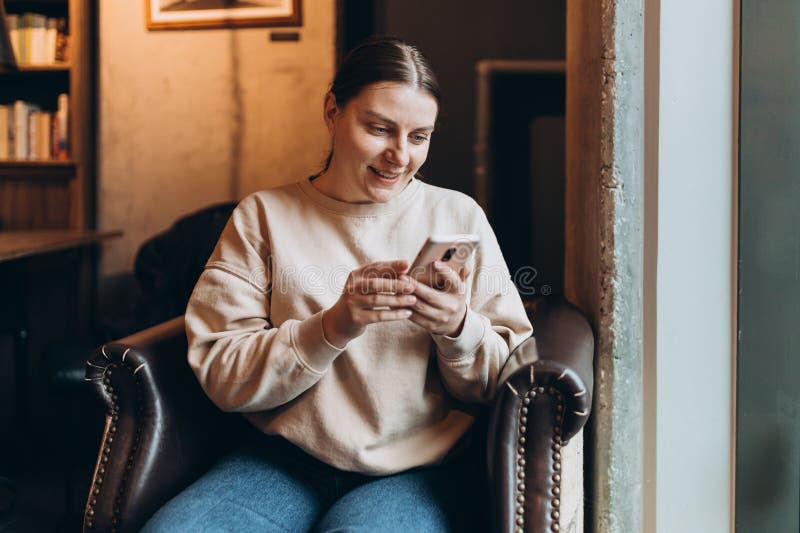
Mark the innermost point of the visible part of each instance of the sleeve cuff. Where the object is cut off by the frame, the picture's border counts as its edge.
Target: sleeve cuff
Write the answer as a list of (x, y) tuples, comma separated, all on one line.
[(468, 340), (312, 348)]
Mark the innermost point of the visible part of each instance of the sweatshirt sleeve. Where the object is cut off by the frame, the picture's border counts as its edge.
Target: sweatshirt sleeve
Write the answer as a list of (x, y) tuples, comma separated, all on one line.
[(495, 323), (241, 360)]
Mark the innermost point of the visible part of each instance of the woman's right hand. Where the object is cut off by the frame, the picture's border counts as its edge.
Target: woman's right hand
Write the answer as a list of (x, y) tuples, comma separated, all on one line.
[(349, 317)]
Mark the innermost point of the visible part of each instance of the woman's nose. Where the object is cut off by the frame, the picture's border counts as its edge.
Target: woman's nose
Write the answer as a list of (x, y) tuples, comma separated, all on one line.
[(397, 155)]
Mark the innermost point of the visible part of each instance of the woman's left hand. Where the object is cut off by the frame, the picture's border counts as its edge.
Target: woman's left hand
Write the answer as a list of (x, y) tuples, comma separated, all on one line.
[(442, 311)]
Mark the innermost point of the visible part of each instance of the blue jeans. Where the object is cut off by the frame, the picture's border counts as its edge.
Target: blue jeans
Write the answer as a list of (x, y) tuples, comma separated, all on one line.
[(269, 485)]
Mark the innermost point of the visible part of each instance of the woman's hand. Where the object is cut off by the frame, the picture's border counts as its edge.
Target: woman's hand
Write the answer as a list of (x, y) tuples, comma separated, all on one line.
[(375, 285), (443, 310)]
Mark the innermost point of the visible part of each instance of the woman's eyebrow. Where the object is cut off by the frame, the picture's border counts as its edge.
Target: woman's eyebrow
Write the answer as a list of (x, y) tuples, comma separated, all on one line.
[(384, 118)]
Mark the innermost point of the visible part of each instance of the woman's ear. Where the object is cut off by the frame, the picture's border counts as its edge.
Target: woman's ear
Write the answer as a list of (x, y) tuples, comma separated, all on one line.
[(330, 111)]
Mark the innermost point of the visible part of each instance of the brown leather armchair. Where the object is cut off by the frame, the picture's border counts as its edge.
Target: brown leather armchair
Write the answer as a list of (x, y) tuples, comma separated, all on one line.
[(162, 432)]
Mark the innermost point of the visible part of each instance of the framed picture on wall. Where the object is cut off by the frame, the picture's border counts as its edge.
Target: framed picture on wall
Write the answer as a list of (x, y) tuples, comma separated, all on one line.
[(189, 14)]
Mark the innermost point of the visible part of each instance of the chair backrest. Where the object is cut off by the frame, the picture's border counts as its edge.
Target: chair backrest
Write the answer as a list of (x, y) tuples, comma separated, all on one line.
[(168, 265)]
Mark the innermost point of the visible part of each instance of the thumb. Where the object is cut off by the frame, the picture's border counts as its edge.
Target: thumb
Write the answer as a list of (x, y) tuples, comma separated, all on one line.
[(401, 266), (464, 272)]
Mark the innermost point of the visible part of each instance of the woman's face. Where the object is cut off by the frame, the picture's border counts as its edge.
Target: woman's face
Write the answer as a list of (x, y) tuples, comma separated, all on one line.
[(380, 140)]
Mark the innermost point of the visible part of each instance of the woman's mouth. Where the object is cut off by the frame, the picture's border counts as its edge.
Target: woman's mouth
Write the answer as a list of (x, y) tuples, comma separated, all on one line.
[(385, 177)]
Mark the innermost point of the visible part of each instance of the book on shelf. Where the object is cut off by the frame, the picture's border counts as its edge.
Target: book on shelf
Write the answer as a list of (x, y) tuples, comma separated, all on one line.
[(29, 133), (4, 133), (61, 129), (37, 39)]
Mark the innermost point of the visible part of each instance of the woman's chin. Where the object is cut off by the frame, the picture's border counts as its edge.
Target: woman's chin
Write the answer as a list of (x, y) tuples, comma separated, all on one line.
[(381, 196), (382, 190)]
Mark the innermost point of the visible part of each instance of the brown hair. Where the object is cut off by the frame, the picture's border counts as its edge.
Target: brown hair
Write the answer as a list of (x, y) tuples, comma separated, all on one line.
[(382, 59)]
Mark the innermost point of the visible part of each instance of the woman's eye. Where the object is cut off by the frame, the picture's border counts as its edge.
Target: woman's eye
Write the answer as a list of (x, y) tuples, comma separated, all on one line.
[(418, 139)]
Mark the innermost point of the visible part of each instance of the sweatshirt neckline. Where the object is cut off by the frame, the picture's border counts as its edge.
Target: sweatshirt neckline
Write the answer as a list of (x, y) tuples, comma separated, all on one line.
[(353, 209)]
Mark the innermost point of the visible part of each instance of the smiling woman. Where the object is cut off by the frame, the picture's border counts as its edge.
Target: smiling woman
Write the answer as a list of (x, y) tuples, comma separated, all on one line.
[(381, 139), (358, 386)]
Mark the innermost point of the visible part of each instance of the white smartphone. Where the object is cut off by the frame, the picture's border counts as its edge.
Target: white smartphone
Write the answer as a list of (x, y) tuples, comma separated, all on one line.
[(454, 250)]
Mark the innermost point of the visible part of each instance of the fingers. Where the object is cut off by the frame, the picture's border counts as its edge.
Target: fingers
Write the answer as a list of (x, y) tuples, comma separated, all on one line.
[(384, 268), (381, 285), (426, 292), (383, 308), (387, 315), (447, 278), (439, 322), (383, 291), (430, 324), (380, 276), (425, 310), (434, 304), (371, 301)]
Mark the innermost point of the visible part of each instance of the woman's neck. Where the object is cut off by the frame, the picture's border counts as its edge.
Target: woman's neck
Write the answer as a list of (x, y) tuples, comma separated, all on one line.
[(330, 185)]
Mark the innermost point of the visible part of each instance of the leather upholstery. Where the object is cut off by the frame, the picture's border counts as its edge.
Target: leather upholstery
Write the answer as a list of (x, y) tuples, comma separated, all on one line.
[(162, 432), (544, 399)]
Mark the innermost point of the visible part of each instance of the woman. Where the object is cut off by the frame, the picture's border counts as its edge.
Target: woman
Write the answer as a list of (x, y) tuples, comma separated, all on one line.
[(362, 382)]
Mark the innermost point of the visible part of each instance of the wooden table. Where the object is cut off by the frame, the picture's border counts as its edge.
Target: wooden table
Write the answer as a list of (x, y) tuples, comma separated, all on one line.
[(47, 289), (19, 253), (19, 244)]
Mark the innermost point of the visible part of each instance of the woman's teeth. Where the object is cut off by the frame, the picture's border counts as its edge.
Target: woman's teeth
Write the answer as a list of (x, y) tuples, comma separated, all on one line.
[(383, 174)]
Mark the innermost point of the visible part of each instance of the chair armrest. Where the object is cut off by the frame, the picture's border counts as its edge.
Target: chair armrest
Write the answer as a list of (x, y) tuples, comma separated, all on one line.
[(544, 398), (161, 431)]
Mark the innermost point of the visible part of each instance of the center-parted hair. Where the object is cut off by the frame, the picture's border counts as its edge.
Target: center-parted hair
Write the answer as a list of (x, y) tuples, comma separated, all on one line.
[(382, 59)]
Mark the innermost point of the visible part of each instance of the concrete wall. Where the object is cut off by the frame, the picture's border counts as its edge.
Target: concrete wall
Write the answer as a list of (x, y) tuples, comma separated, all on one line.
[(190, 118), (604, 242)]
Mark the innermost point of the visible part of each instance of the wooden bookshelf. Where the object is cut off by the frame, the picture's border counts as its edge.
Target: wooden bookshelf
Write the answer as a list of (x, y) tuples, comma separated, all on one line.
[(51, 194), (7, 59), (40, 169), (48, 242), (24, 70), (34, 4)]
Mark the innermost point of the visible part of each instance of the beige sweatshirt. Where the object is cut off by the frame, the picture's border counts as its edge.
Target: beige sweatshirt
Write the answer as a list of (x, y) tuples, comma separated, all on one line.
[(397, 396)]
